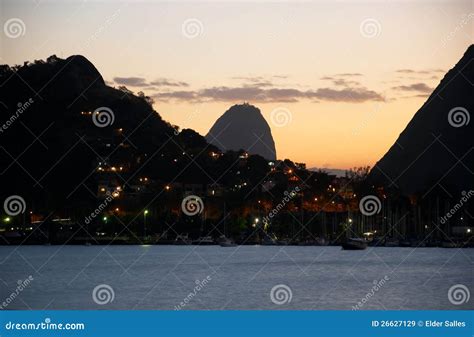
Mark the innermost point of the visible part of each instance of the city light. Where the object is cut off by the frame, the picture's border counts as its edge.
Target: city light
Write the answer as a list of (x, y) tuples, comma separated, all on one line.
[(145, 212), (7, 219)]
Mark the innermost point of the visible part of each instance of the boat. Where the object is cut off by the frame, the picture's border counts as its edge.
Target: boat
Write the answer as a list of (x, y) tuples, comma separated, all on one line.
[(283, 242), (182, 239), (354, 244), (268, 241), (448, 244), (432, 244), (405, 243), (418, 244), (204, 241), (377, 242), (321, 242), (391, 242), (307, 242), (226, 242), (163, 239)]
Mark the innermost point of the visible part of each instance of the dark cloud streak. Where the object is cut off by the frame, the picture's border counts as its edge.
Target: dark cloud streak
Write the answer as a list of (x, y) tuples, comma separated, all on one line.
[(141, 82), (262, 95), (417, 87)]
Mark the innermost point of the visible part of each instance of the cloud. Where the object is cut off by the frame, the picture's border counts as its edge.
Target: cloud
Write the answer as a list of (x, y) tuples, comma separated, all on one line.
[(178, 95), (163, 82), (262, 95), (345, 83), (420, 72), (343, 80), (142, 82), (257, 81), (131, 81), (417, 87), (353, 95), (349, 75)]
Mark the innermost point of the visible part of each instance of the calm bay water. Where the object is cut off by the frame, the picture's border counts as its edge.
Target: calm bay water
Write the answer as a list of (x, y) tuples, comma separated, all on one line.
[(161, 277)]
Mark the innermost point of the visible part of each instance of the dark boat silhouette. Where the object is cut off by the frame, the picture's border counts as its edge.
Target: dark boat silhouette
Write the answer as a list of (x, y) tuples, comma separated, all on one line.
[(354, 244)]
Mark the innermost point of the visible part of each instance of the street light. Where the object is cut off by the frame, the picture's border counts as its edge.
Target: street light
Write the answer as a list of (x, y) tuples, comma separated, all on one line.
[(145, 212)]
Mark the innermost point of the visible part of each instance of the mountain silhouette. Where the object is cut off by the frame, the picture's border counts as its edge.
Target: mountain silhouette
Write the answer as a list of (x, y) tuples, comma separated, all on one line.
[(51, 146), (243, 127), (435, 151)]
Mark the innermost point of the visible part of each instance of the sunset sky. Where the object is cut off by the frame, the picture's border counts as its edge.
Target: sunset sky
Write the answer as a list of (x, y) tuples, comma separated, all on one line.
[(350, 75)]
